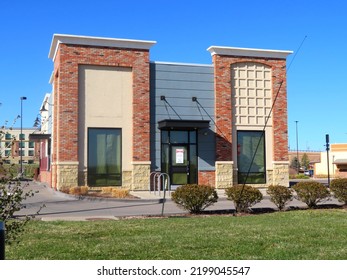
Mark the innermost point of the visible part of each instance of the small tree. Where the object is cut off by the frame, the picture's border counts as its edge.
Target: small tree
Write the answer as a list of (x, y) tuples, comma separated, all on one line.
[(194, 198), (280, 195), (305, 161), (12, 196), (311, 192), (295, 163), (243, 196)]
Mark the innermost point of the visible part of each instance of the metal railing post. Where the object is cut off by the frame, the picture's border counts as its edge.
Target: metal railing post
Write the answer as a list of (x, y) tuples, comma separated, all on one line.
[(2, 240), (165, 186)]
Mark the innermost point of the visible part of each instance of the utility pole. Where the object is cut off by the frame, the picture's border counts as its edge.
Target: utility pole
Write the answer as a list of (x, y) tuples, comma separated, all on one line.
[(297, 148)]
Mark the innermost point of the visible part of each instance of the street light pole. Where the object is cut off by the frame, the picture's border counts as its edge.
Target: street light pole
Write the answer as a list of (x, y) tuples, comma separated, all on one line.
[(327, 149), (297, 148), (20, 136)]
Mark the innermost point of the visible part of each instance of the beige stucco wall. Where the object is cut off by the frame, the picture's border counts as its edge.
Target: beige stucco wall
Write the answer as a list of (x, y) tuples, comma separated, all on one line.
[(321, 168), (105, 100), (252, 101)]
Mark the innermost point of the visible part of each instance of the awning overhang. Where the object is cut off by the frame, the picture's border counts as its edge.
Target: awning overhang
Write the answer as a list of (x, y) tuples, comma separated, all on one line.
[(340, 161), (183, 124), (33, 137)]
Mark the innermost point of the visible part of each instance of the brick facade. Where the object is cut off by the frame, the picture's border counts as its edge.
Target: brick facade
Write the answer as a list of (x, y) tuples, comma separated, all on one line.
[(65, 121), (68, 53), (223, 109), (206, 178)]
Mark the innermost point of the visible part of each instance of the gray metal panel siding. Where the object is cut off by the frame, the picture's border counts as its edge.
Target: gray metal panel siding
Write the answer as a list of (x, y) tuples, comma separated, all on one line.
[(179, 83)]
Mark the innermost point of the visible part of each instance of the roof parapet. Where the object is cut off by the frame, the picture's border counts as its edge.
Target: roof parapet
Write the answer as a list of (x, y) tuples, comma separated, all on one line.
[(246, 52), (96, 41)]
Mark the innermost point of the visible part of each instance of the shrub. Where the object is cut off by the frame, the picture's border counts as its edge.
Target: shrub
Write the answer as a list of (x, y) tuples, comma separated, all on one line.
[(84, 190), (311, 192), (339, 189), (65, 190), (75, 190), (194, 198), (106, 190), (279, 195), (302, 176), (243, 196), (120, 192), (12, 195)]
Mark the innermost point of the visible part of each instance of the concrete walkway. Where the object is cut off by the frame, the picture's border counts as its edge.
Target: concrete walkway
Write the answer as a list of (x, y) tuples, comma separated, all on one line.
[(60, 206)]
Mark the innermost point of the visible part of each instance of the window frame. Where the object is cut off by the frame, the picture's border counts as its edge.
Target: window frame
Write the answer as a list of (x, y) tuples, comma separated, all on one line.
[(92, 177), (254, 177)]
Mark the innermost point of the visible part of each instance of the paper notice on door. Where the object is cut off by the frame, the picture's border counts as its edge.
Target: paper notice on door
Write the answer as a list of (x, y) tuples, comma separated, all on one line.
[(179, 155)]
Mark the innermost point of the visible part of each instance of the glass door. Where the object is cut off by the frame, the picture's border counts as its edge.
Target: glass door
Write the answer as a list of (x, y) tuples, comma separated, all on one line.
[(179, 164), (179, 156)]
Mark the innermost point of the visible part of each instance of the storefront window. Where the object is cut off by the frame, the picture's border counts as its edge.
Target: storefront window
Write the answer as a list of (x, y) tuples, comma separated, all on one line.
[(104, 157), (251, 157)]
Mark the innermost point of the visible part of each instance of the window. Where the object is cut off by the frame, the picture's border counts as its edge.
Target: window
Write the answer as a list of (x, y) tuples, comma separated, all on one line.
[(21, 153), (31, 153), (8, 136), (251, 157), (22, 136), (104, 157), (21, 144), (31, 144), (7, 153)]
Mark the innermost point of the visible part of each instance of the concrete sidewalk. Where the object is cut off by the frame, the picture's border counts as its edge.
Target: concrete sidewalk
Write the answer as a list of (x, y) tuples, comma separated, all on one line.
[(61, 206)]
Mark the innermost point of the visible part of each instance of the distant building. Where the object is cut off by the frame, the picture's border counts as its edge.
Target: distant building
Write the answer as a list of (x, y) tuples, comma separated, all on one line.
[(13, 144), (42, 138), (116, 116), (337, 161), (313, 157)]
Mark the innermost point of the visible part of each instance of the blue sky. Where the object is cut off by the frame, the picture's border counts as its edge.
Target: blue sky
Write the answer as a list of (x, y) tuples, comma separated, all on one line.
[(184, 30)]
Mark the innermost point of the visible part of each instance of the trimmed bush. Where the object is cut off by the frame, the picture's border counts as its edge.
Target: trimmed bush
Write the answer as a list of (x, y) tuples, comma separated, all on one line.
[(65, 189), (311, 192), (339, 189), (84, 190), (279, 195), (120, 192), (194, 198), (107, 190), (75, 190), (243, 196)]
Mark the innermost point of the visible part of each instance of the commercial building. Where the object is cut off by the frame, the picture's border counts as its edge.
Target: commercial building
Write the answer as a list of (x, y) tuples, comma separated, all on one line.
[(335, 160), (15, 146), (116, 116)]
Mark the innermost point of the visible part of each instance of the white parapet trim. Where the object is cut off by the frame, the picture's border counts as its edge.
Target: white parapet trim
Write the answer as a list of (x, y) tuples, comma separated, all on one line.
[(247, 52)]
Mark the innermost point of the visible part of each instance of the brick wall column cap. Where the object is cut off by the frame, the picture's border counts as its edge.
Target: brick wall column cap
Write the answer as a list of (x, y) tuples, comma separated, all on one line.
[(246, 52), (281, 162), (66, 163), (140, 162), (224, 162)]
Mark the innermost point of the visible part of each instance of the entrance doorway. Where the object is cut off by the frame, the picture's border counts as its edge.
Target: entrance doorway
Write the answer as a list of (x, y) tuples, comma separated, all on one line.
[(179, 156)]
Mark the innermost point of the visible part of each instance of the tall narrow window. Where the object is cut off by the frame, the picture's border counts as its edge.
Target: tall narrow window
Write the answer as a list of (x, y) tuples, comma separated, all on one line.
[(104, 157), (251, 157)]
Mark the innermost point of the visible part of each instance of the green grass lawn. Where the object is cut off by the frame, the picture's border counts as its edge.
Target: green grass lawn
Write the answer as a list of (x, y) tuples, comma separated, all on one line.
[(309, 234)]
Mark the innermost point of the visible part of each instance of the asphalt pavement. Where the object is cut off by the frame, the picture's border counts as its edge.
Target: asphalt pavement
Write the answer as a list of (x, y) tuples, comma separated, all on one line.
[(55, 205)]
